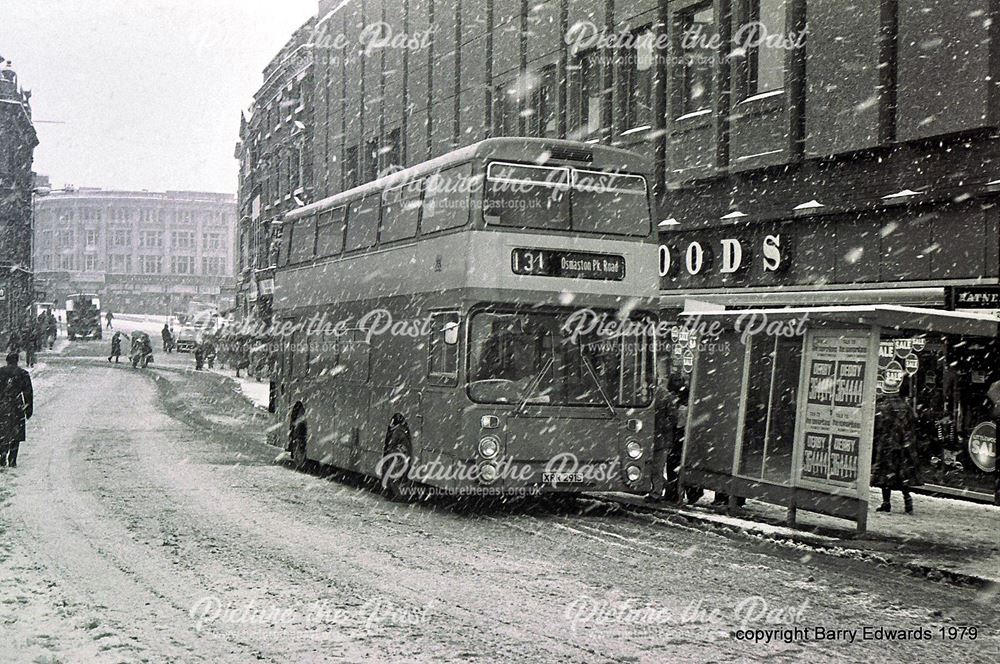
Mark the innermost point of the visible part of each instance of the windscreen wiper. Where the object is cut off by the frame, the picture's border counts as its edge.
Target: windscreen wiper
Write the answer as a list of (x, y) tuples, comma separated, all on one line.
[(597, 382), (533, 384)]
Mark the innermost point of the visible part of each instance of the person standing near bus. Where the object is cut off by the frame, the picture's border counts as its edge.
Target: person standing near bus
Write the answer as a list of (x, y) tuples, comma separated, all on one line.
[(667, 399), (16, 408), (167, 337), (894, 456), (109, 317)]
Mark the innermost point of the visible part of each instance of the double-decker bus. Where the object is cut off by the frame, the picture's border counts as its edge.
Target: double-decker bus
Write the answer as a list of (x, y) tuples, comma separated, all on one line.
[(480, 323), (83, 316)]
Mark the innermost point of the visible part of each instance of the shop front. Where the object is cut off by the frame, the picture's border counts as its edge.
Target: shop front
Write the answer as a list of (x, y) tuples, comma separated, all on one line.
[(940, 261)]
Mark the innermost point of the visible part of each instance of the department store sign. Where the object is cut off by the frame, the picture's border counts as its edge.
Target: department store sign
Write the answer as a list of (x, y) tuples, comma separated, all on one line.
[(694, 256)]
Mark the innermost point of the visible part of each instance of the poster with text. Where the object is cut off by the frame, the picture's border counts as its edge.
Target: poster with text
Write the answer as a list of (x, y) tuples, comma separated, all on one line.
[(832, 427)]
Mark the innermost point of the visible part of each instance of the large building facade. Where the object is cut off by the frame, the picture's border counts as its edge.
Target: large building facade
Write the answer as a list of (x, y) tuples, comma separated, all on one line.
[(142, 252), (275, 160), (17, 146)]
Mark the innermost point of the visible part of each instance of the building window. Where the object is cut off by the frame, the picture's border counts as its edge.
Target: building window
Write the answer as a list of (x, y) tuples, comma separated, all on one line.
[(46, 238), (121, 263), (46, 262), (392, 153), (182, 239), (211, 241), (351, 167), (694, 75), (65, 239), (91, 238), (150, 264), (66, 262), (637, 79), (371, 159), (505, 111), (586, 91), (212, 265), (121, 237), (764, 69), (182, 264), (90, 262), (545, 105), (150, 239), (119, 214)]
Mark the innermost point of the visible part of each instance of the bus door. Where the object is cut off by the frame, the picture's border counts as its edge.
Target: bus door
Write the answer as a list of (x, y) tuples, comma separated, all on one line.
[(354, 369)]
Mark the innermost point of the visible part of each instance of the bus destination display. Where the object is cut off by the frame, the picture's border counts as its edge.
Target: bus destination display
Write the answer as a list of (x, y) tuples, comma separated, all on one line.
[(567, 264)]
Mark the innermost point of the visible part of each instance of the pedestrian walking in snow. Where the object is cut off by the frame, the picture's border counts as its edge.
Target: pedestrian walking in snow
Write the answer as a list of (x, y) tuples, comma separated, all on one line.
[(109, 317), (894, 452), (199, 357), (16, 408), (168, 338), (116, 347)]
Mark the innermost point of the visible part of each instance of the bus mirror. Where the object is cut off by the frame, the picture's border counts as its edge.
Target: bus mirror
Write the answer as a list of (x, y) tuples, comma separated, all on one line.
[(451, 334)]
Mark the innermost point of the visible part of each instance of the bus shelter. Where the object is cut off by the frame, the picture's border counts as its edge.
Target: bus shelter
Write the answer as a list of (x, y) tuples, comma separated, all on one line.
[(782, 401)]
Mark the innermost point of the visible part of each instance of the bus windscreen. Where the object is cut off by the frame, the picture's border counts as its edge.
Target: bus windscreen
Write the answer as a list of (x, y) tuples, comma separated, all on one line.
[(561, 198), (531, 358)]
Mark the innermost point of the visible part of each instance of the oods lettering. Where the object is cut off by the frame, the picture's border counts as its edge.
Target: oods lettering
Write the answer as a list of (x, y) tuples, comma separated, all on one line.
[(728, 257)]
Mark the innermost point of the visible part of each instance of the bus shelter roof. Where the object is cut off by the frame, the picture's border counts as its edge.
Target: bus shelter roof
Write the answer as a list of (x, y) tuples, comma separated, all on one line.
[(885, 316)]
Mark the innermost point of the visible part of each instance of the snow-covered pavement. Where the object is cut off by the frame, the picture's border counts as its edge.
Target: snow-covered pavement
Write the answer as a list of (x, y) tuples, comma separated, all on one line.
[(158, 528)]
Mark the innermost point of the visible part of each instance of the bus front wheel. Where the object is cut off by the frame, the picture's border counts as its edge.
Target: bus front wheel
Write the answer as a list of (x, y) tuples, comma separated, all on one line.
[(397, 461)]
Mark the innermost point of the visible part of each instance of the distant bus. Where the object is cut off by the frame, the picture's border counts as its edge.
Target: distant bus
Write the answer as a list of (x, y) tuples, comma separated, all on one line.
[(448, 291), (83, 316)]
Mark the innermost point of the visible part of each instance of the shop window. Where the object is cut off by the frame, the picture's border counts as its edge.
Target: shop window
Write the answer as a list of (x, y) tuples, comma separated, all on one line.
[(371, 159), (392, 152), (764, 69), (694, 73)]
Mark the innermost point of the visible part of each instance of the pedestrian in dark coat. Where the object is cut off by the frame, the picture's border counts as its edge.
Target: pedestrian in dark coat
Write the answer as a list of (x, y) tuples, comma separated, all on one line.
[(199, 357), (894, 451), (16, 407), (51, 329), (116, 347), (168, 338)]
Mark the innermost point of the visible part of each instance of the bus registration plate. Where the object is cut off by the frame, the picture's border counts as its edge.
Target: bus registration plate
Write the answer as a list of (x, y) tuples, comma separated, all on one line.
[(563, 478), (567, 264)]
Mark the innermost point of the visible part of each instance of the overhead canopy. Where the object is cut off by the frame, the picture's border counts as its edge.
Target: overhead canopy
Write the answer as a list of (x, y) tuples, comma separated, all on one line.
[(885, 316)]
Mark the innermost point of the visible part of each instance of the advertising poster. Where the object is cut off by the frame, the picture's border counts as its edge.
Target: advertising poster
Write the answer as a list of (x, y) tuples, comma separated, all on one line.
[(832, 426)]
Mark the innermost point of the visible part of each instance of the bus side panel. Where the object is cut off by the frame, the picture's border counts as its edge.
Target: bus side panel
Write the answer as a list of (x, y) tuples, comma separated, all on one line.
[(442, 439)]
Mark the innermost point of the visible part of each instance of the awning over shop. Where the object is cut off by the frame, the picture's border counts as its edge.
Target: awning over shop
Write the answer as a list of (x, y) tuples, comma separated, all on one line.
[(891, 317)]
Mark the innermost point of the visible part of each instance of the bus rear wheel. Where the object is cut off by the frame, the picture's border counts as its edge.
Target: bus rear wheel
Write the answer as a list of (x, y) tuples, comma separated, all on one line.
[(397, 462)]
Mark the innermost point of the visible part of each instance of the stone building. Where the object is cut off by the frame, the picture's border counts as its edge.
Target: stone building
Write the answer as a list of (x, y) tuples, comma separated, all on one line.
[(17, 146), (275, 161), (141, 251)]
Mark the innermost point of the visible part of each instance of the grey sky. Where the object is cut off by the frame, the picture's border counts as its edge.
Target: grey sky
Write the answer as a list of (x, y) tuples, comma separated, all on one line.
[(150, 90)]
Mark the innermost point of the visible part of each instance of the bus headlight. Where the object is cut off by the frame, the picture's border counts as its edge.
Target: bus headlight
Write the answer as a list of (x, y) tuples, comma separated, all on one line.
[(489, 447), (633, 449), (632, 473), (487, 473)]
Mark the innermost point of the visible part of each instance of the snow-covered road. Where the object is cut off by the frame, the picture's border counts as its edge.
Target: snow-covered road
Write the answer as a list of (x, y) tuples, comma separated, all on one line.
[(147, 521)]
